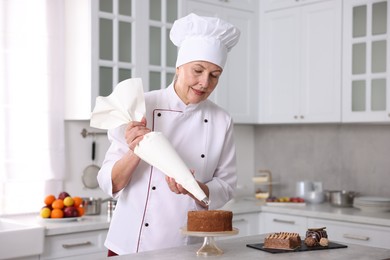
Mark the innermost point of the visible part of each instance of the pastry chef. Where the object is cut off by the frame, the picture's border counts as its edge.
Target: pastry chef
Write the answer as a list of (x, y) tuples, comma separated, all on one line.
[(151, 207)]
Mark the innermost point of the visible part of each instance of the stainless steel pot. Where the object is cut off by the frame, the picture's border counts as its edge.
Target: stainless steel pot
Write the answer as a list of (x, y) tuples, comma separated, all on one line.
[(93, 206), (342, 198)]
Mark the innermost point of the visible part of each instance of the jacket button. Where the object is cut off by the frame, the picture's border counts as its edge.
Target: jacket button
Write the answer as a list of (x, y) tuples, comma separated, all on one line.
[(206, 120), (158, 114), (146, 224), (202, 156), (154, 187)]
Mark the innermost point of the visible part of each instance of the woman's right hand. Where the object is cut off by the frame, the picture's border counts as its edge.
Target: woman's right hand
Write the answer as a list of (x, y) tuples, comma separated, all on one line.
[(135, 131)]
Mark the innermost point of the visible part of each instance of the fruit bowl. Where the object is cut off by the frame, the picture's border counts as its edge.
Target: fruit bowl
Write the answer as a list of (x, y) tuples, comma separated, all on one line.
[(59, 220), (62, 208)]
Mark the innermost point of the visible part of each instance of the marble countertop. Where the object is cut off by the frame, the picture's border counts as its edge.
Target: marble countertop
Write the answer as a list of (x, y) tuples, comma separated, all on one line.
[(324, 211), (235, 248), (54, 227), (242, 206)]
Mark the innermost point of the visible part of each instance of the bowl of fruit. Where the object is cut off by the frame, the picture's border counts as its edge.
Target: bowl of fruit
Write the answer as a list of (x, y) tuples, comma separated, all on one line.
[(285, 201), (63, 207)]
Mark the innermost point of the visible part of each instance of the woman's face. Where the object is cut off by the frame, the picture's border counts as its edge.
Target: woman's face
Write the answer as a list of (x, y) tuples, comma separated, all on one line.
[(196, 80)]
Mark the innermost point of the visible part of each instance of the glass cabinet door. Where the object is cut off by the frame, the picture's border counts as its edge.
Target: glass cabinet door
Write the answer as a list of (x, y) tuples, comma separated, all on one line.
[(162, 52), (114, 63), (368, 79)]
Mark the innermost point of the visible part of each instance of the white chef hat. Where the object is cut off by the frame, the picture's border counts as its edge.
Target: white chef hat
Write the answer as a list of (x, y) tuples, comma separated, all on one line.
[(203, 38)]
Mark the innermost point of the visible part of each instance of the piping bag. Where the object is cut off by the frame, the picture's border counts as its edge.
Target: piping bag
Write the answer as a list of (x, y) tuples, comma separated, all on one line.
[(125, 104)]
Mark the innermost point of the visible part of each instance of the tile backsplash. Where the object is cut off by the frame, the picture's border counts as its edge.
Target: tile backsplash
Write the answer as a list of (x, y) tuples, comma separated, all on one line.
[(344, 156)]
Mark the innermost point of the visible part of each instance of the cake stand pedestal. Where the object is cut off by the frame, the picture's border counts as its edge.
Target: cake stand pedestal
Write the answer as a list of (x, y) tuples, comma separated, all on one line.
[(209, 247)]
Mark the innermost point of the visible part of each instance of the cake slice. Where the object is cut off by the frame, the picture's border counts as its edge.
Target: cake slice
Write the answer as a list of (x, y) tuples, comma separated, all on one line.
[(282, 240)]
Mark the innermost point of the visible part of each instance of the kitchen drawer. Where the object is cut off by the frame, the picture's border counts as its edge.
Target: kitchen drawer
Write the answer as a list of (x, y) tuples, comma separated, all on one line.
[(75, 244), (246, 223), (271, 222), (352, 233)]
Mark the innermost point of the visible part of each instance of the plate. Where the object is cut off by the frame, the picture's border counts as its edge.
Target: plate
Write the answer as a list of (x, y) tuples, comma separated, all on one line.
[(59, 220), (209, 234), (285, 203), (302, 248)]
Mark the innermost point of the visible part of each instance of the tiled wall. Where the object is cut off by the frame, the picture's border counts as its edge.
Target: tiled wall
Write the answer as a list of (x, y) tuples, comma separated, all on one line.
[(352, 157)]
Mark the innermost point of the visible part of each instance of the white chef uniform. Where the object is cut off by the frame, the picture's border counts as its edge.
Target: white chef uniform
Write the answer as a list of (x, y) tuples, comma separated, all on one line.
[(148, 215)]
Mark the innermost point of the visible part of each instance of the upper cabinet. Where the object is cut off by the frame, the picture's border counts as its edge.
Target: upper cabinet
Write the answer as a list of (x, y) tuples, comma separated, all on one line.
[(237, 87), (300, 61), (366, 93), (248, 5), (108, 41), (269, 5)]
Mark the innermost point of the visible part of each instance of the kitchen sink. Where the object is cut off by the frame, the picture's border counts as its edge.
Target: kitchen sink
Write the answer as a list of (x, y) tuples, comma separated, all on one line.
[(20, 240)]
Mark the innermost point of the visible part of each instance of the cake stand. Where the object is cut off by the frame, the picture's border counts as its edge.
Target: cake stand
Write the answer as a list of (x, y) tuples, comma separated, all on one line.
[(209, 247)]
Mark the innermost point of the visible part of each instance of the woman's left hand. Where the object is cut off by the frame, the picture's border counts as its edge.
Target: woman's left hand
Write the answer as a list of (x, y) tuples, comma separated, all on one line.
[(175, 187)]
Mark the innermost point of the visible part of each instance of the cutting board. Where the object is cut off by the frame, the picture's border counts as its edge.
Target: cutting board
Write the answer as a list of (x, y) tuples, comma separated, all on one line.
[(303, 248)]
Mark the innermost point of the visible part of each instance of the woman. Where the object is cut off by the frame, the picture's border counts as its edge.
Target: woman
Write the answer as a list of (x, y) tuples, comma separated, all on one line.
[(151, 207)]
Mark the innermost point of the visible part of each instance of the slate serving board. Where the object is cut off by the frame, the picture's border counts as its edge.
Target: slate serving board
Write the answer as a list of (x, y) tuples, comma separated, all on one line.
[(303, 248)]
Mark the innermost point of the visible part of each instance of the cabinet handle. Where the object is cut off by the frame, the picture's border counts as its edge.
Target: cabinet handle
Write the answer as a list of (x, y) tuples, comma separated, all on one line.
[(356, 237), (284, 221), (86, 243), (239, 220), (302, 117)]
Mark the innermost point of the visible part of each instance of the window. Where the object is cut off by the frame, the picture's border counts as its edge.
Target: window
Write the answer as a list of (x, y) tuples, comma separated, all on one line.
[(31, 103)]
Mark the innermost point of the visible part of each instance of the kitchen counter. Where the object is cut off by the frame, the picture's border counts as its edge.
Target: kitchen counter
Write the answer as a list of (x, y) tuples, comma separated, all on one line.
[(324, 210), (235, 248), (53, 227), (241, 206)]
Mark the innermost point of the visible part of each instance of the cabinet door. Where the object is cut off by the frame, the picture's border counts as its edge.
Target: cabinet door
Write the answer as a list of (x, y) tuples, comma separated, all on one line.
[(301, 64), (246, 223), (236, 90), (279, 4), (248, 5), (366, 91), (280, 58), (360, 234), (76, 244), (320, 50), (271, 222)]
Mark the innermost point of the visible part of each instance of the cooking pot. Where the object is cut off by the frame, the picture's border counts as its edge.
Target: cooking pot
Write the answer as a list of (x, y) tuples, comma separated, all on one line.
[(342, 198), (93, 206)]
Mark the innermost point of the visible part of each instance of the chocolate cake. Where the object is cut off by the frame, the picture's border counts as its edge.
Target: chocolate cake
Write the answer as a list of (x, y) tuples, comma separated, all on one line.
[(282, 240), (210, 221), (316, 237)]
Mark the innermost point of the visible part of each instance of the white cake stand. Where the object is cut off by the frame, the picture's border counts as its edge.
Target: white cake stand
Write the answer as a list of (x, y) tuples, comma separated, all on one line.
[(209, 247)]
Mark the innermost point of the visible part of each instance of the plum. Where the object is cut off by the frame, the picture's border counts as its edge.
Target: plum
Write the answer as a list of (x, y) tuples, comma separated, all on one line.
[(70, 212), (63, 195)]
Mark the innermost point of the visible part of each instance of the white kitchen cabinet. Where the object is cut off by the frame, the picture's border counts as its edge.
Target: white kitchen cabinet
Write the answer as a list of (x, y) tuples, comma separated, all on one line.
[(366, 90), (237, 87), (246, 223), (109, 41), (81, 245), (249, 5), (279, 4), (273, 222), (300, 71), (352, 233)]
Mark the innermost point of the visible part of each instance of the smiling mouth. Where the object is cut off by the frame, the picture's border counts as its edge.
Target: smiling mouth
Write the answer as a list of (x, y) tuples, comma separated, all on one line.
[(198, 92)]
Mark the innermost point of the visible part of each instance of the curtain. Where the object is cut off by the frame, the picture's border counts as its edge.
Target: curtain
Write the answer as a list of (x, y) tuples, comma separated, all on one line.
[(32, 152)]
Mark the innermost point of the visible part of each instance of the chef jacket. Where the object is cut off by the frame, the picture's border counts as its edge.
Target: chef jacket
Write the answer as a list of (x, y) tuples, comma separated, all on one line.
[(148, 215)]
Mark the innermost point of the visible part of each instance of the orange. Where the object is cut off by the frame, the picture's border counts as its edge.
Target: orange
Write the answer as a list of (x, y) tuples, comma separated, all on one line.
[(57, 204), (49, 199), (80, 211), (57, 213), (77, 201)]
